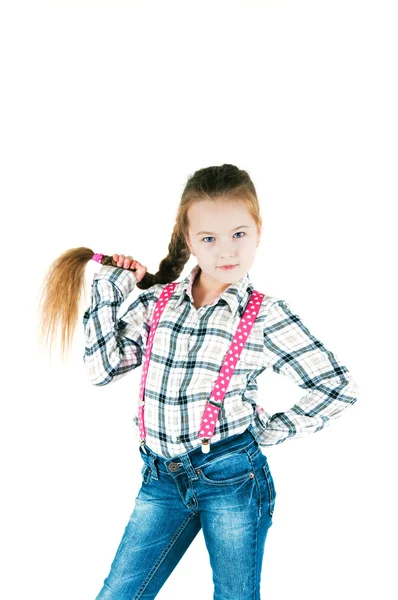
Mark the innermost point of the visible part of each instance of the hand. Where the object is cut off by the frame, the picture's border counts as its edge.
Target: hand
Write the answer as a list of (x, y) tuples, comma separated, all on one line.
[(127, 262)]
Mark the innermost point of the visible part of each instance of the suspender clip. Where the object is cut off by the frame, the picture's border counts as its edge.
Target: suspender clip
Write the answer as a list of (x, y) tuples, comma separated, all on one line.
[(205, 445), (142, 444)]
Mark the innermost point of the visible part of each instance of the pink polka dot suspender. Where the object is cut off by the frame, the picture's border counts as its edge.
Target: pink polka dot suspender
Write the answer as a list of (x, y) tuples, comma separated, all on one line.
[(212, 408)]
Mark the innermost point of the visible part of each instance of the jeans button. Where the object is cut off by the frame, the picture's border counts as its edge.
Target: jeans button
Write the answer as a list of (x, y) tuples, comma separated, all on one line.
[(173, 466)]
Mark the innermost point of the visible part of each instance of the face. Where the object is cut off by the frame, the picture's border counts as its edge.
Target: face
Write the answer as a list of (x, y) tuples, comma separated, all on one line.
[(222, 233)]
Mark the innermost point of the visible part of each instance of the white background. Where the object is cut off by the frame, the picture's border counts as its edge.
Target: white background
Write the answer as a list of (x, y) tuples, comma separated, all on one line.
[(107, 109)]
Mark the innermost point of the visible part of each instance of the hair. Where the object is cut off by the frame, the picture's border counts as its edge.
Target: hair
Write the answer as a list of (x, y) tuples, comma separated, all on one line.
[(64, 282)]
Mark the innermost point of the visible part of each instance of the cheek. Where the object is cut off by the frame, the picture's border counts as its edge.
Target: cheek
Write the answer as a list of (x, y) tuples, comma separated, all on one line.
[(251, 244)]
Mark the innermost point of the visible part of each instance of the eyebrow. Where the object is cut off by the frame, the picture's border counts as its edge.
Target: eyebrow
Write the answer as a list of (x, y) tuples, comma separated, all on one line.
[(238, 227)]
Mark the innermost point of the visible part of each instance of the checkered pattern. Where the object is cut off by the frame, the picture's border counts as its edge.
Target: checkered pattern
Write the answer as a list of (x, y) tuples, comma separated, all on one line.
[(187, 353)]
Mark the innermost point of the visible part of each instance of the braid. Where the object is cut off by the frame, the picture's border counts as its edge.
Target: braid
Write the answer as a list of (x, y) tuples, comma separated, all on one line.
[(172, 266), (65, 278)]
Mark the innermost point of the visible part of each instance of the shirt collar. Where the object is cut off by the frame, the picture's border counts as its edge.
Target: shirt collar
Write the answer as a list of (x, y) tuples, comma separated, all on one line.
[(235, 295)]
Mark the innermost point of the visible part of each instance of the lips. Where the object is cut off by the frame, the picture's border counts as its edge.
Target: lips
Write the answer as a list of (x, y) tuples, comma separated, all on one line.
[(228, 267)]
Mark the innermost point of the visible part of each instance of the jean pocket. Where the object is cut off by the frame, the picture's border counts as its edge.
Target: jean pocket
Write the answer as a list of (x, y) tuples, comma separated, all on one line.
[(270, 486), (234, 467)]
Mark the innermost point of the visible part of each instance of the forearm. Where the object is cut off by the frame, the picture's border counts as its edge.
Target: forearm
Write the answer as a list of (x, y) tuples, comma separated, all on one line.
[(108, 354), (316, 410)]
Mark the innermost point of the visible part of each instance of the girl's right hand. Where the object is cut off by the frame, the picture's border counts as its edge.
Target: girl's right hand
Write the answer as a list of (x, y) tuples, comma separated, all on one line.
[(127, 262)]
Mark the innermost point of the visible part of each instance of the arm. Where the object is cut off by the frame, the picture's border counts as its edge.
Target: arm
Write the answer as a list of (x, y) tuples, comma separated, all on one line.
[(291, 350), (115, 335)]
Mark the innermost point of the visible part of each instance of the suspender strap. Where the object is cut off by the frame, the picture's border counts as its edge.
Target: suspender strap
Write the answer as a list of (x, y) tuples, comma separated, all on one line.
[(213, 405)]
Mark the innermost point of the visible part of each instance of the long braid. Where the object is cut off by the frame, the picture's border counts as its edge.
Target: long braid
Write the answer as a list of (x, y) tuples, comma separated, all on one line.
[(64, 282)]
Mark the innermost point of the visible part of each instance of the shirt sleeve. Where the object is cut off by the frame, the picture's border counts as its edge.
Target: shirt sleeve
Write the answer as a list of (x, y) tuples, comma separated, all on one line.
[(115, 328), (291, 350)]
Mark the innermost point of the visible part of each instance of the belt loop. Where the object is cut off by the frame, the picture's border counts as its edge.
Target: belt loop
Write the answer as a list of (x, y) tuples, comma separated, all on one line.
[(253, 432), (154, 467)]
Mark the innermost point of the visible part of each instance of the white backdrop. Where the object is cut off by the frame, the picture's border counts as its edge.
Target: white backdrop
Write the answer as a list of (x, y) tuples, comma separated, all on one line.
[(107, 109)]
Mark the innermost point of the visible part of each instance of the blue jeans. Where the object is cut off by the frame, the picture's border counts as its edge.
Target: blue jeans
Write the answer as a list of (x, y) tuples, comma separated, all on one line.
[(229, 493)]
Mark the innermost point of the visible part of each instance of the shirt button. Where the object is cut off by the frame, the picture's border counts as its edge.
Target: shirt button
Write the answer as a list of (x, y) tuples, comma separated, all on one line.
[(175, 438)]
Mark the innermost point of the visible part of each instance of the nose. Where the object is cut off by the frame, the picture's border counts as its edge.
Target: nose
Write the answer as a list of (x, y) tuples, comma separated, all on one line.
[(226, 251), (227, 258)]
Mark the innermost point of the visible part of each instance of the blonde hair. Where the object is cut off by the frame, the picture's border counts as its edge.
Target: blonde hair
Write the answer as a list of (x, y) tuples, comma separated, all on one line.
[(64, 282)]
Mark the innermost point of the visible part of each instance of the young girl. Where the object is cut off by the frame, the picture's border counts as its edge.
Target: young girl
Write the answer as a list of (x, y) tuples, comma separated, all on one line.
[(202, 342)]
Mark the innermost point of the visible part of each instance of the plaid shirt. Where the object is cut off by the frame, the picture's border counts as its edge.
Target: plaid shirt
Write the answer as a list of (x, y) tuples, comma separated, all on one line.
[(187, 354)]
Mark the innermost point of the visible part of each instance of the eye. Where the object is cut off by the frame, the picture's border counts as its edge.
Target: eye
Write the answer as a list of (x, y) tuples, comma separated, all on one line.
[(210, 236)]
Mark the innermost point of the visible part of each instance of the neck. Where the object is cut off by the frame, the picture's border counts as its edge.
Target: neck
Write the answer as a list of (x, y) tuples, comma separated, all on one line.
[(206, 288)]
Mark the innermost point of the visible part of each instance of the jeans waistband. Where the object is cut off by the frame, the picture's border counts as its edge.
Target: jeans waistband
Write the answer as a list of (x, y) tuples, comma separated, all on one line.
[(196, 458)]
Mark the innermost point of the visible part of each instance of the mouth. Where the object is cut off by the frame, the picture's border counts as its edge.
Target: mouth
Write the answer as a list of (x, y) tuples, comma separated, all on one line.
[(228, 267)]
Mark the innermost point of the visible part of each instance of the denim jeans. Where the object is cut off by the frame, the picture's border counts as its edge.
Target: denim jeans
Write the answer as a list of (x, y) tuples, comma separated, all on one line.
[(229, 493)]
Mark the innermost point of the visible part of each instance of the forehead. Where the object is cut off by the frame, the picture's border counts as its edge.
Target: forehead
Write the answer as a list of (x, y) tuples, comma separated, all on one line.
[(221, 215)]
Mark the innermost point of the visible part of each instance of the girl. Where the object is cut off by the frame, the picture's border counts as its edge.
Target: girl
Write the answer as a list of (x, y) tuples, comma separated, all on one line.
[(202, 342)]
